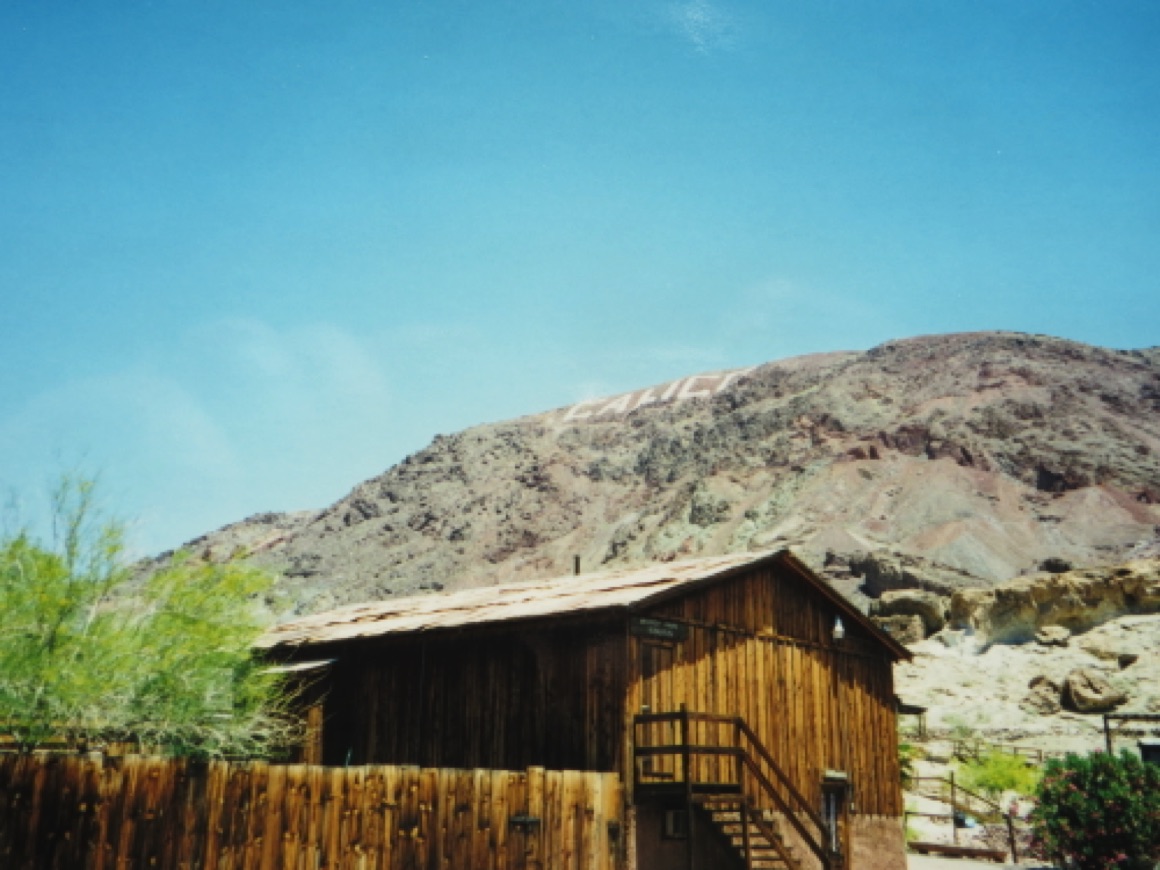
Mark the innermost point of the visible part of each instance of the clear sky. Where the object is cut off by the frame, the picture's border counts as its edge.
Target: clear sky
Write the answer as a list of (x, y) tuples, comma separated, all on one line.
[(253, 252)]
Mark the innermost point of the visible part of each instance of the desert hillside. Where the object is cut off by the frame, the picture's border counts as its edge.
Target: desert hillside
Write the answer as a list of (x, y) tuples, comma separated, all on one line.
[(942, 461)]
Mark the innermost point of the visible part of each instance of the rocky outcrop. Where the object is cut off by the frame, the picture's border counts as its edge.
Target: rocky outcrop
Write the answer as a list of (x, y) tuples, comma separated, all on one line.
[(1012, 691), (1075, 600), (884, 572), (927, 606), (1059, 682)]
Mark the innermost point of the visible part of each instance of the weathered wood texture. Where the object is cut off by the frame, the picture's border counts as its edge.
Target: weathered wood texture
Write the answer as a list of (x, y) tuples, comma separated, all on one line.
[(552, 698), (761, 646), (561, 691), (81, 813)]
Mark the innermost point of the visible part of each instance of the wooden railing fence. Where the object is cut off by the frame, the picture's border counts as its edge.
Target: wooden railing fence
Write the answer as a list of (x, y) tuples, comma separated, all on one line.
[(975, 749), (711, 753), (94, 813), (963, 802)]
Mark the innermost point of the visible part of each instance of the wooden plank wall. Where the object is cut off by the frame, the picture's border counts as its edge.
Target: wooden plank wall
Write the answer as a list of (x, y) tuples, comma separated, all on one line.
[(502, 699), (761, 646), (90, 813)]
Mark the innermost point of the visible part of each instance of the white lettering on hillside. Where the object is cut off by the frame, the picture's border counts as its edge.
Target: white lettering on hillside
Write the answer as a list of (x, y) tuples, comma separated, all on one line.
[(695, 387)]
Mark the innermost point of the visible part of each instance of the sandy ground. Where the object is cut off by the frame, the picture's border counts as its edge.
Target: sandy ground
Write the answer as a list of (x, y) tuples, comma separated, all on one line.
[(930, 862)]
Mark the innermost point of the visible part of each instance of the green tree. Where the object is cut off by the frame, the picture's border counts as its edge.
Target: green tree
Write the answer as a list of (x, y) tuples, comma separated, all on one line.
[(90, 650), (1099, 812)]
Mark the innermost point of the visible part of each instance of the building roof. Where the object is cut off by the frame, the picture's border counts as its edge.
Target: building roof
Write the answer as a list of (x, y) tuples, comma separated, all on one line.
[(624, 589)]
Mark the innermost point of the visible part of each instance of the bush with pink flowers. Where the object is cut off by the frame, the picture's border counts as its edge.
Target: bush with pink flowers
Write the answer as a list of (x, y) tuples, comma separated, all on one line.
[(1099, 812)]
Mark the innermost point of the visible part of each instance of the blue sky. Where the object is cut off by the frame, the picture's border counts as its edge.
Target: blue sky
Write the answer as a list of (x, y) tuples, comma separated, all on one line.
[(252, 253)]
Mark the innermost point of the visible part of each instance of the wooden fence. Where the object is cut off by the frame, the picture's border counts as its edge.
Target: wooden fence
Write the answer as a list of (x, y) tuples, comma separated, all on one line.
[(90, 813), (974, 750)]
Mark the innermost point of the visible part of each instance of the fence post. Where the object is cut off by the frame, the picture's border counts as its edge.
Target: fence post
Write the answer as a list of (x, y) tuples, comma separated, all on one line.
[(954, 811), (688, 772)]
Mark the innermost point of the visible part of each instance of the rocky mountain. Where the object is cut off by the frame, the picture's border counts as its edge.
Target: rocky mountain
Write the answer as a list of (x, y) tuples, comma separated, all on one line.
[(938, 462)]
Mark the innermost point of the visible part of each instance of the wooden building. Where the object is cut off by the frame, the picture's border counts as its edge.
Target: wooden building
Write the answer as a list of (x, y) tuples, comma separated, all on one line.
[(748, 708)]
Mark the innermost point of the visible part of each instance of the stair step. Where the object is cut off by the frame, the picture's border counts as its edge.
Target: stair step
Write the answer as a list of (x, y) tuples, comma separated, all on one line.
[(755, 839), (765, 854), (771, 860), (756, 847), (734, 814), (735, 824), (758, 852), (740, 825), (734, 832), (723, 800)]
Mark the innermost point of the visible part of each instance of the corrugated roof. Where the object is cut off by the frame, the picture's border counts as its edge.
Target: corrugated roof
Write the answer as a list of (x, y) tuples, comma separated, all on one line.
[(574, 593), (621, 589)]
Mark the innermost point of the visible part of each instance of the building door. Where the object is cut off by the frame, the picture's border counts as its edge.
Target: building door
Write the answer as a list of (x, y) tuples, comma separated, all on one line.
[(836, 816), (656, 676)]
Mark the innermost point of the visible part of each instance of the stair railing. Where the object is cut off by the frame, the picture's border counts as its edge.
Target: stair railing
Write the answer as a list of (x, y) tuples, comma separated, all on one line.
[(787, 799), (761, 782)]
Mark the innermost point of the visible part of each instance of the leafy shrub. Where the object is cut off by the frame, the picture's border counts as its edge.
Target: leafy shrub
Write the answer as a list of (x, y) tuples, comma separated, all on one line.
[(92, 653), (996, 772), (1099, 811)]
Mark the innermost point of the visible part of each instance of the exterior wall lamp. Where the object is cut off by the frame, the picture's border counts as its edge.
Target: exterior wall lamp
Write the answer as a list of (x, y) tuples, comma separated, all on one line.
[(839, 629)]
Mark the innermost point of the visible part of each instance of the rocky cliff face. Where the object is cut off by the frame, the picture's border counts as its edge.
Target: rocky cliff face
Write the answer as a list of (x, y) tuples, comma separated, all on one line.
[(943, 462), (1074, 601)]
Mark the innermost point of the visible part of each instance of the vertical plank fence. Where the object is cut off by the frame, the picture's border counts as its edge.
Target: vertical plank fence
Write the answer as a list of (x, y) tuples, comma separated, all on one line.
[(93, 813)]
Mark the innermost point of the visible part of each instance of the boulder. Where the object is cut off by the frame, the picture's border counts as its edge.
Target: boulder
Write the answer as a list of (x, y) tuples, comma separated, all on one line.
[(903, 628), (928, 606), (1042, 700), (1043, 697), (1087, 691), (1052, 635), (1101, 649), (881, 572), (1122, 642)]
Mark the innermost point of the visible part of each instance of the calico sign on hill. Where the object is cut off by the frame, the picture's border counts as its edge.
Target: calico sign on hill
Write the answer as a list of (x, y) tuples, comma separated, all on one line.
[(695, 387)]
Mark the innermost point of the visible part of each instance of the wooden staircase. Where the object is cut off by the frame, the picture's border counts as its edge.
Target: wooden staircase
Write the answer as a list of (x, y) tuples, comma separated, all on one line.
[(755, 839), (724, 773)]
